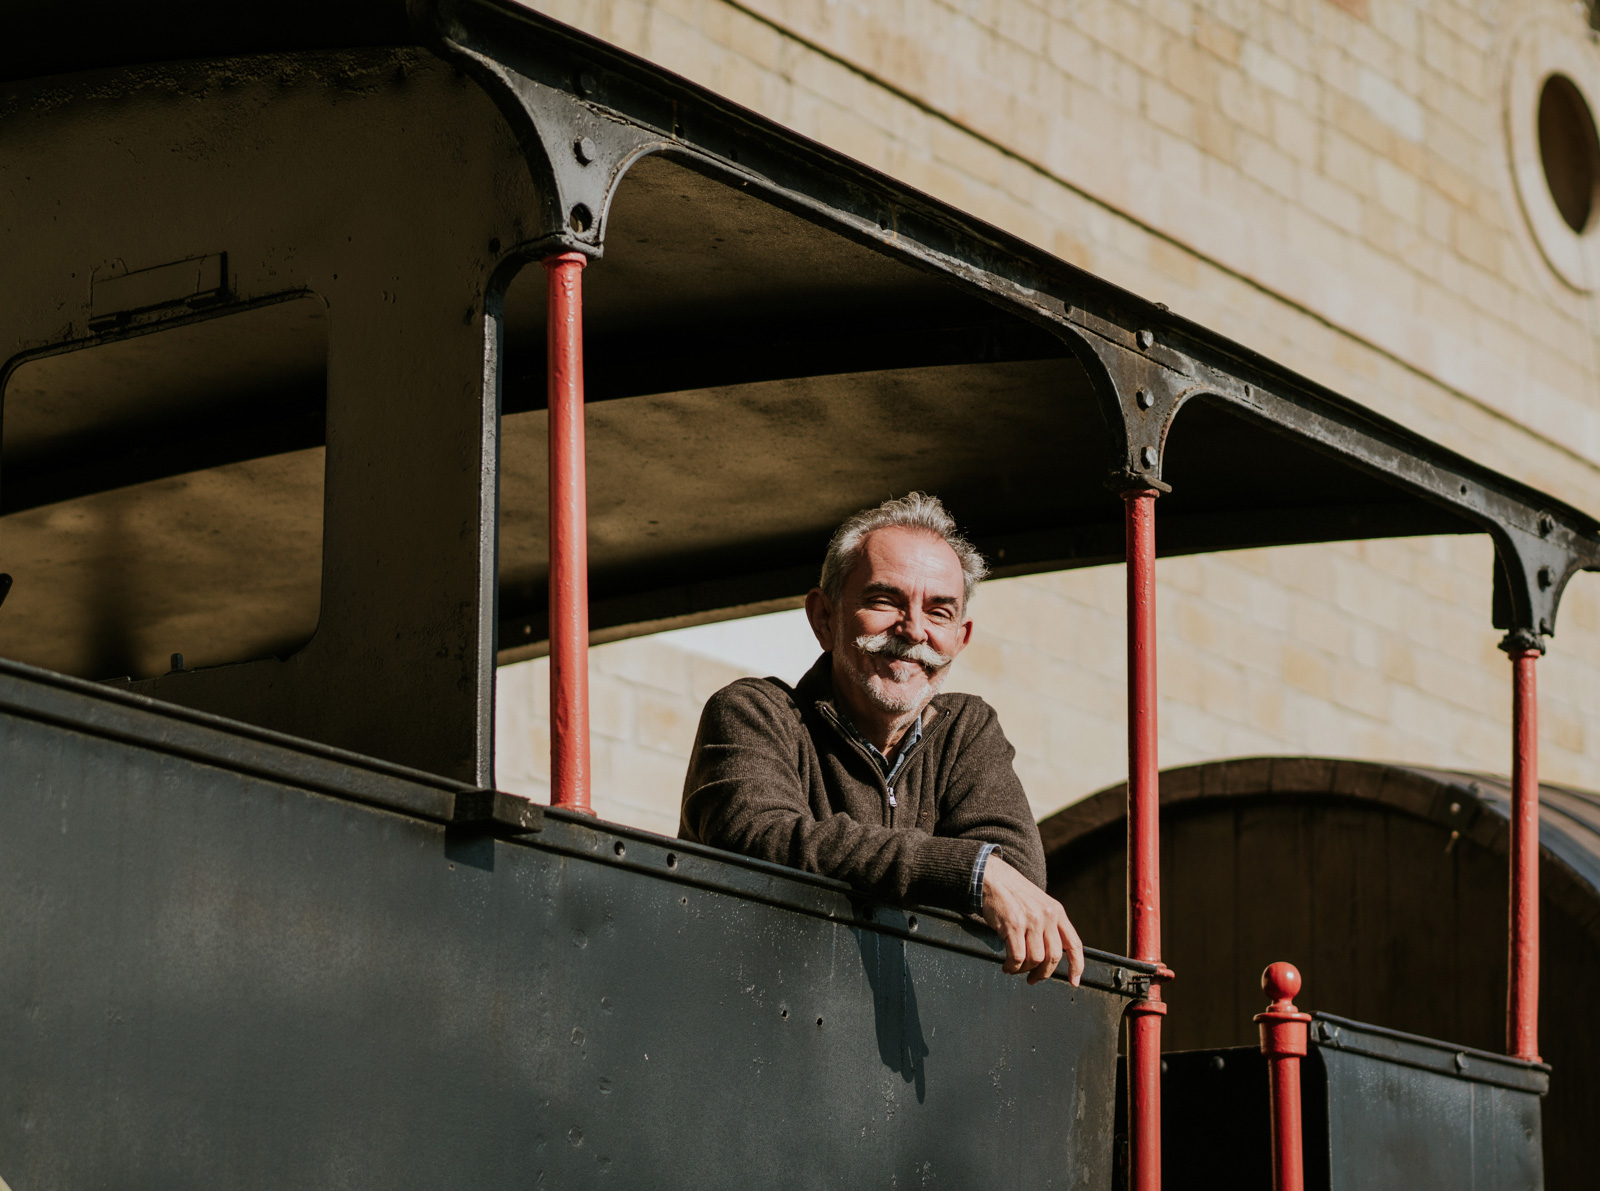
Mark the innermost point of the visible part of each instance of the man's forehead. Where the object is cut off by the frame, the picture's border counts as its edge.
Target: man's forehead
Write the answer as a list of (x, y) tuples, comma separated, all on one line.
[(897, 556)]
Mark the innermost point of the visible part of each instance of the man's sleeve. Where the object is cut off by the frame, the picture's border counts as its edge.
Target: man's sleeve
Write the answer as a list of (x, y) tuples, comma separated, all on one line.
[(744, 792), (983, 800)]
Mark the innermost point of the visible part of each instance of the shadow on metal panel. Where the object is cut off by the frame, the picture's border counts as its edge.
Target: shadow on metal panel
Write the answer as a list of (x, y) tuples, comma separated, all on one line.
[(216, 974)]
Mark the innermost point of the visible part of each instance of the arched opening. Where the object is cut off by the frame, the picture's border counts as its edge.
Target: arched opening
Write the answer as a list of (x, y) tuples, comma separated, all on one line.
[(1384, 884)]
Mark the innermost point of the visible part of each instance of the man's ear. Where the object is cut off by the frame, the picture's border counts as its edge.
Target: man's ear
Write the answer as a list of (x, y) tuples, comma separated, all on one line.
[(819, 611), (964, 639)]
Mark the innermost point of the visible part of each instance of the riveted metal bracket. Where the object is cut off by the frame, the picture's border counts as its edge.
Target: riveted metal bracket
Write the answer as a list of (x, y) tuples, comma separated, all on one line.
[(576, 149), (1533, 566), (1141, 383)]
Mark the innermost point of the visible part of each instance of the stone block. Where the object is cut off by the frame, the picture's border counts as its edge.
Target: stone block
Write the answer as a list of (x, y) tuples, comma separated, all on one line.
[(1306, 670), (1216, 38)]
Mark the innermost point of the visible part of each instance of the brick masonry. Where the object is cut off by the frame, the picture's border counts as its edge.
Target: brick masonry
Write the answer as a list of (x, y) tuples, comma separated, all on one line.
[(1325, 182)]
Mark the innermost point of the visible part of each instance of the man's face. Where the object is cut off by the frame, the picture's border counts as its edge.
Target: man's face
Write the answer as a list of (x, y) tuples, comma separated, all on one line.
[(900, 620)]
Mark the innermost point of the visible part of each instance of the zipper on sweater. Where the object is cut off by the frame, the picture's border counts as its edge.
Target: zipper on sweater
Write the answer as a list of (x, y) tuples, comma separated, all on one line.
[(832, 717)]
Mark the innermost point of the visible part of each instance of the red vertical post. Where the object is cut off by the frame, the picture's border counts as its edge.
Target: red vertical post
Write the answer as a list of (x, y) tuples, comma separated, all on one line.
[(1284, 1036), (1144, 844), (569, 537), (1522, 977)]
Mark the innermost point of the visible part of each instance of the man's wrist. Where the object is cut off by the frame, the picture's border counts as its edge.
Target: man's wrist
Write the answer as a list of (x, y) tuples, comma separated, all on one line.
[(984, 853)]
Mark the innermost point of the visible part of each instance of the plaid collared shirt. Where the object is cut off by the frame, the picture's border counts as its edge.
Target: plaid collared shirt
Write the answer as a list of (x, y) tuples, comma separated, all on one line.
[(892, 771)]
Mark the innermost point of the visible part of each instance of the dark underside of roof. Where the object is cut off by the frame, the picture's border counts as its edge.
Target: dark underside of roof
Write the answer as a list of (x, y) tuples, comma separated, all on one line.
[(45, 38), (753, 376)]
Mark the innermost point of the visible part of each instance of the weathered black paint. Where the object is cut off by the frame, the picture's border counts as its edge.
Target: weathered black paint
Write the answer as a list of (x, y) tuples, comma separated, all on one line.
[(1380, 1110), (1416, 1113), (215, 974)]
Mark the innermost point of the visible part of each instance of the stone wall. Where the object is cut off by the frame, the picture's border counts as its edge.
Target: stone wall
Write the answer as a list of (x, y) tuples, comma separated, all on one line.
[(1328, 183)]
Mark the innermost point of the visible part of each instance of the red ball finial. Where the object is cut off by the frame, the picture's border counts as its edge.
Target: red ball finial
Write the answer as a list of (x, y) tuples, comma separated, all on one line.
[(1281, 981)]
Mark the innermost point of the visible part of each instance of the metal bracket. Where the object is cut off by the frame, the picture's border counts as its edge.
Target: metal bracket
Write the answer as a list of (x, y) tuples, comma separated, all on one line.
[(1532, 570), (576, 150), (494, 811), (1142, 384)]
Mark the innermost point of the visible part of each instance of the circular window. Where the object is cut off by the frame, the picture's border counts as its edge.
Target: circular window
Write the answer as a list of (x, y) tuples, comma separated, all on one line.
[(1552, 87), (1569, 150)]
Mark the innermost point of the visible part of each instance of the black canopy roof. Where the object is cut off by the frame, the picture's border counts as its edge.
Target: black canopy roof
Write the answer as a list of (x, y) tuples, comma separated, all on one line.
[(265, 270)]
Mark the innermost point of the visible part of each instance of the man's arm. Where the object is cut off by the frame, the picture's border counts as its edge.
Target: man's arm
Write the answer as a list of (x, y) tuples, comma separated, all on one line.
[(985, 801), (744, 793)]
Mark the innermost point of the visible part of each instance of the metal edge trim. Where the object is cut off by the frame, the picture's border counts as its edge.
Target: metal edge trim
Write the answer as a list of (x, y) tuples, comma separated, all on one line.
[(1521, 1075), (793, 889), (84, 706)]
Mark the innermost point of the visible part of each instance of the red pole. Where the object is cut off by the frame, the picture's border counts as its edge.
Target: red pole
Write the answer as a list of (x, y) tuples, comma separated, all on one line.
[(1144, 844), (1284, 1031), (569, 538), (1522, 979)]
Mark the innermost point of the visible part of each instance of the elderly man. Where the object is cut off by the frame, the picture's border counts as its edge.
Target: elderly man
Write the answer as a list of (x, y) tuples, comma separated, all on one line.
[(864, 770)]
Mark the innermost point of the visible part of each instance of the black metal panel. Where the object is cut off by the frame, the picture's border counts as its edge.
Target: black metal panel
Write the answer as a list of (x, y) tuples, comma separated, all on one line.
[(1381, 1110), (213, 976), (1418, 1114)]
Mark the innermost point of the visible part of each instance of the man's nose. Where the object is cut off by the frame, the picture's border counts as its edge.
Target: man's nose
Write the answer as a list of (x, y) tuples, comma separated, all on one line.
[(913, 626)]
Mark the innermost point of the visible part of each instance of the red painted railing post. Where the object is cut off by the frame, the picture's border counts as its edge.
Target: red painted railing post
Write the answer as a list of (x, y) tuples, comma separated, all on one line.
[(1522, 976), (569, 538), (1144, 845), (1284, 1037)]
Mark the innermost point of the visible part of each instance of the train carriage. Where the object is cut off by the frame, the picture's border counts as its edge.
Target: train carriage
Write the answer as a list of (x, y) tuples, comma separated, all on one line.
[(352, 350)]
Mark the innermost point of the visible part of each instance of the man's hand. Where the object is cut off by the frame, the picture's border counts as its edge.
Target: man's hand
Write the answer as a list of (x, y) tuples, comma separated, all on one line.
[(1032, 923)]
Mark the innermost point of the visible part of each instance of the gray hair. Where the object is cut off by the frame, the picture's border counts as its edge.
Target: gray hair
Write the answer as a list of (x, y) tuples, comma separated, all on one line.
[(915, 510)]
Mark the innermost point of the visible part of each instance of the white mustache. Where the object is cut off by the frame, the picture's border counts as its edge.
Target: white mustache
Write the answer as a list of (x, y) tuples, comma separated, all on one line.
[(920, 652)]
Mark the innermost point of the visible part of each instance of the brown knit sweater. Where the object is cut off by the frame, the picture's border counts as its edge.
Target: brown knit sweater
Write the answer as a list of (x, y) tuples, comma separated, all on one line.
[(775, 775)]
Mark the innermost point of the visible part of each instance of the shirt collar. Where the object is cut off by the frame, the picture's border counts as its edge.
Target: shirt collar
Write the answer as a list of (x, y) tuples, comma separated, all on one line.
[(907, 743)]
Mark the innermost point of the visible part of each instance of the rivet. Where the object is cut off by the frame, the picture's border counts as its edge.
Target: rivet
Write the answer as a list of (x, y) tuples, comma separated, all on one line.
[(1145, 398), (1455, 808), (1145, 339), (581, 219), (1218, 1062), (620, 848), (584, 150), (1546, 524), (1547, 577), (494, 246), (1148, 456), (586, 83)]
